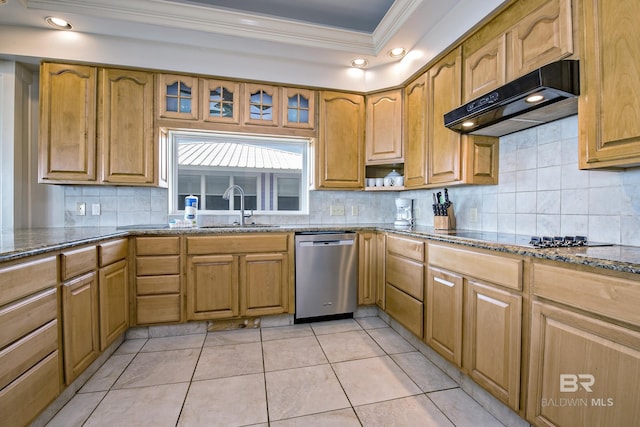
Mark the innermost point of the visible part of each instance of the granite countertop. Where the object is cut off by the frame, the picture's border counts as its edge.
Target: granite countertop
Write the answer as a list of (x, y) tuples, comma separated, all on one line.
[(22, 243)]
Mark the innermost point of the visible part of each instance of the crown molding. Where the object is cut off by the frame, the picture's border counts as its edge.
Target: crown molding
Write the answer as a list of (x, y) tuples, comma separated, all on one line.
[(189, 16)]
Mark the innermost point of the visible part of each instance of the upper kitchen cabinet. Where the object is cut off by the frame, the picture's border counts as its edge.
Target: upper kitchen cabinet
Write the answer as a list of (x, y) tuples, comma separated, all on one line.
[(221, 101), (261, 105), (486, 68), (300, 109), (339, 154), (125, 132), (384, 128), (67, 136), (609, 103), (543, 36), (415, 134), (178, 97), (97, 127)]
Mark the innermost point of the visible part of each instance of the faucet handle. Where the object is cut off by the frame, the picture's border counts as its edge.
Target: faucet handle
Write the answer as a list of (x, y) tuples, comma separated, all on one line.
[(247, 215)]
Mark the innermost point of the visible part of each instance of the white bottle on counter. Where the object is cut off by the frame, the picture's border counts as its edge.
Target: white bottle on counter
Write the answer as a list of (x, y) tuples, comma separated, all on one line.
[(191, 210)]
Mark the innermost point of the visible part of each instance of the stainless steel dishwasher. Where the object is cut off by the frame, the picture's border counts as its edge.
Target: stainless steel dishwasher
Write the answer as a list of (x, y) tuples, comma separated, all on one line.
[(326, 275)]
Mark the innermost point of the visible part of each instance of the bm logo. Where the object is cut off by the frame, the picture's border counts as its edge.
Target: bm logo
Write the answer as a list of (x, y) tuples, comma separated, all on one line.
[(572, 383)]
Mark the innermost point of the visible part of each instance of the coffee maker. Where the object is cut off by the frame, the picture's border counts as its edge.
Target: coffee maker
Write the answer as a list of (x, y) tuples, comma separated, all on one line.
[(404, 213)]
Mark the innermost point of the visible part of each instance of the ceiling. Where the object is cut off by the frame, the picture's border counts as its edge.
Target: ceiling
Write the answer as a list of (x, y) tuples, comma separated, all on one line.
[(355, 15), (298, 41)]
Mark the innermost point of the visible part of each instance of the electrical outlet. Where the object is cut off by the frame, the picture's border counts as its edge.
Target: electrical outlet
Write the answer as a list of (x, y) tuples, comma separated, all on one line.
[(337, 210), (354, 210), (95, 209), (473, 214), (81, 208)]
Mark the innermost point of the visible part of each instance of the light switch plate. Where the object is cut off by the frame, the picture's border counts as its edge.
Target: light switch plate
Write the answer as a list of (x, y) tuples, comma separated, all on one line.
[(81, 208), (95, 209)]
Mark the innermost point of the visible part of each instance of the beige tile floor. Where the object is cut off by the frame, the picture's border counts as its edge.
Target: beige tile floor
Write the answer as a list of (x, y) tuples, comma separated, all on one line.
[(339, 373)]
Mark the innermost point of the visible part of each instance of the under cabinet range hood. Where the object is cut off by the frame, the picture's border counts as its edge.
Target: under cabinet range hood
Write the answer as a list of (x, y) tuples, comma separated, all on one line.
[(544, 95)]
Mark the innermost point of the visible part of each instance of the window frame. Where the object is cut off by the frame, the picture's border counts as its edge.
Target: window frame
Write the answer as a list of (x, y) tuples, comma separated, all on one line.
[(176, 136)]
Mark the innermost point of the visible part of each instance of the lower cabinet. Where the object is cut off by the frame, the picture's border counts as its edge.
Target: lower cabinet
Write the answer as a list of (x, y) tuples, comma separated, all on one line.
[(368, 271), (444, 314), (404, 282), (29, 344), (583, 371), (80, 319), (249, 275), (114, 302), (158, 284), (472, 321), (584, 367)]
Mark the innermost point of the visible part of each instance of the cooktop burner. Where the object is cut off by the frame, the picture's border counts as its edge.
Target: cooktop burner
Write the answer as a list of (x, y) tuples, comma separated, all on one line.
[(563, 242)]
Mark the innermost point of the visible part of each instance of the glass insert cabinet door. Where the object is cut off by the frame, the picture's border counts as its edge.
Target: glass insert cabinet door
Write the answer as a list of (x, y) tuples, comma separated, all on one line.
[(300, 108), (221, 101), (261, 105), (178, 98)]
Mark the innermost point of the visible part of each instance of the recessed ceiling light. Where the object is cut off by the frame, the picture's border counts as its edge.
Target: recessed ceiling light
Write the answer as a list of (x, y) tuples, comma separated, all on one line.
[(359, 63), (534, 98), (58, 23), (467, 124), (398, 52)]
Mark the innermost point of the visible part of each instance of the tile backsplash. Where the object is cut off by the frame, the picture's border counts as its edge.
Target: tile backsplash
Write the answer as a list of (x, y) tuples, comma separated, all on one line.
[(541, 192)]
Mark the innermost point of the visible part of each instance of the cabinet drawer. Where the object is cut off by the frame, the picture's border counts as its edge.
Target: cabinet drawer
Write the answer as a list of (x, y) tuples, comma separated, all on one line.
[(168, 245), (157, 265), (491, 268), (22, 400), (406, 275), (154, 285), (157, 309), (613, 297), (405, 309), (408, 248), (23, 354), (110, 252), (17, 320), (76, 262), (263, 242), (19, 280)]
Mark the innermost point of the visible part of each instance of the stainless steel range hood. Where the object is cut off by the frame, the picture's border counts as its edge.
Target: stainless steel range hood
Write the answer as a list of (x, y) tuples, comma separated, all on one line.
[(510, 108)]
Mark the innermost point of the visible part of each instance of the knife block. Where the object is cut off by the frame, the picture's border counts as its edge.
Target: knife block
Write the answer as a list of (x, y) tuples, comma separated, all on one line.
[(445, 222)]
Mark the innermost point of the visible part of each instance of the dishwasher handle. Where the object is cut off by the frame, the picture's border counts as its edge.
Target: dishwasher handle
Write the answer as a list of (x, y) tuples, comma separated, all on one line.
[(346, 242)]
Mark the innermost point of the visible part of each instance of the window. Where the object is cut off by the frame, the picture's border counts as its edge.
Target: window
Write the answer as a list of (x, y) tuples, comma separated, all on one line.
[(220, 102), (298, 109), (272, 171), (261, 106)]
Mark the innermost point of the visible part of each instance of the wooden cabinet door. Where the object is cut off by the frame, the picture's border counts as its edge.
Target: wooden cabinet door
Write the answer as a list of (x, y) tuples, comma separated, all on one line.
[(81, 334), (299, 108), (380, 272), (113, 285), (543, 36), (493, 340), (609, 103), (67, 135), (264, 284), (126, 126), (339, 154), (486, 68), (178, 97), (367, 267), (212, 287), (384, 127), (443, 331), (261, 105), (592, 364), (221, 101), (444, 145), (415, 133), (481, 153)]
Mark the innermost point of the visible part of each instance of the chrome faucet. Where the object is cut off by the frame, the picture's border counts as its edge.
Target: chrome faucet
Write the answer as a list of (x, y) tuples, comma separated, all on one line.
[(228, 192)]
